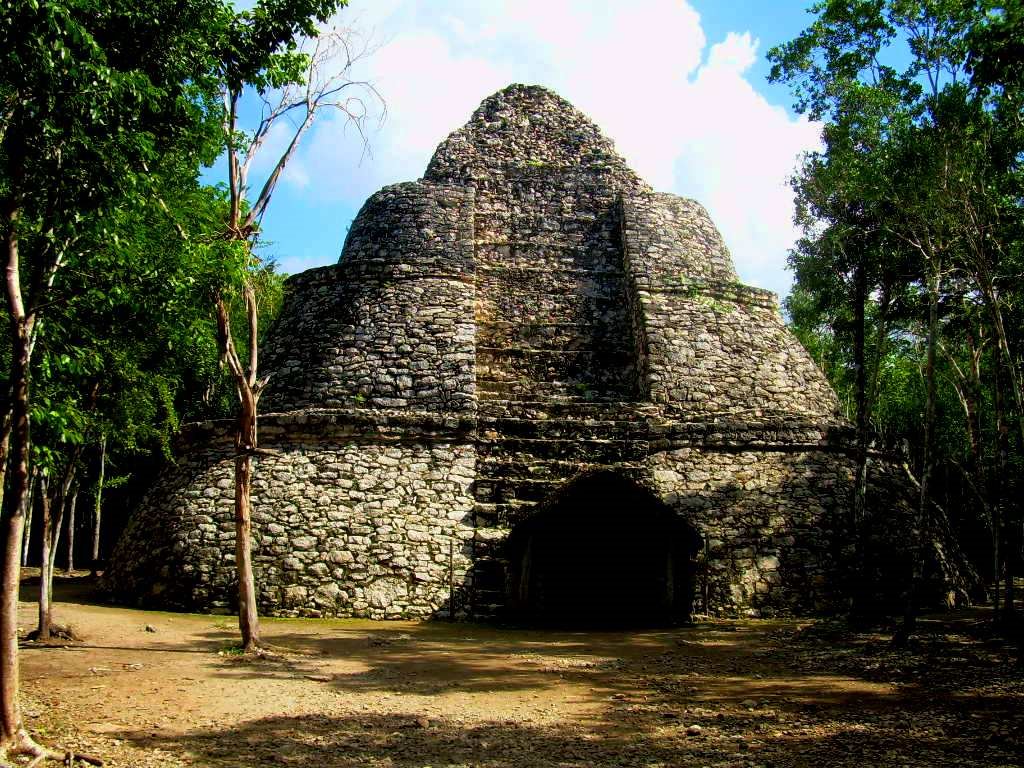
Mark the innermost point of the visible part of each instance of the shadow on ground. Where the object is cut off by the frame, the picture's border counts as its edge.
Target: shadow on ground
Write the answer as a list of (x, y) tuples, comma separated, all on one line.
[(751, 738), (762, 693)]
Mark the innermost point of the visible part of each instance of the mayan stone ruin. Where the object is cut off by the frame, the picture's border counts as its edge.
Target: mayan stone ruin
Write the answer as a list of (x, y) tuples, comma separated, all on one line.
[(530, 387)]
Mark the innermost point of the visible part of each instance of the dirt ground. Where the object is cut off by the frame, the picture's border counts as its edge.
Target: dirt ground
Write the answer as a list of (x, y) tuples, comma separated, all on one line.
[(412, 695)]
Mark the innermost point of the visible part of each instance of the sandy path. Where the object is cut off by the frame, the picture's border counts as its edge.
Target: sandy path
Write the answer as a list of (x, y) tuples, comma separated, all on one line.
[(359, 693)]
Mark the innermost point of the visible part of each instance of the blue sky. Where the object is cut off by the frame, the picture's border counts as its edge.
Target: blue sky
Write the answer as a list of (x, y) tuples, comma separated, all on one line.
[(679, 86)]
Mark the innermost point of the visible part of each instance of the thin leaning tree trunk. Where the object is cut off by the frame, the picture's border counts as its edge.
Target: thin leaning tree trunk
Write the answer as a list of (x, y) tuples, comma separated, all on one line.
[(919, 526), (860, 491), (1004, 561), (71, 532), (43, 629), (51, 539), (28, 519), (98, 509), (60, 499), (248, 389), (56, 527), (248, 617)]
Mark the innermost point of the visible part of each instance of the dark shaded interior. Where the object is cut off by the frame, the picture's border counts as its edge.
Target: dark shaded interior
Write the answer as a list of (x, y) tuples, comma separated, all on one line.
[(604, 552)]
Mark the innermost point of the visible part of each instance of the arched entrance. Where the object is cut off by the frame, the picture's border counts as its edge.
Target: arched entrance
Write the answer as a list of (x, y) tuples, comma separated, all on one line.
[(604, 551)]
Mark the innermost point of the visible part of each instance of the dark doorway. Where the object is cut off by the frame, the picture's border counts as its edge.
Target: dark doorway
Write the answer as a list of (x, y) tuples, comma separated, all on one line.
[(604, 552)]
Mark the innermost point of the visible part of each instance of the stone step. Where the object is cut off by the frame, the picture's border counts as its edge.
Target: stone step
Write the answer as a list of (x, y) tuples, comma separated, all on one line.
[(568, 264), (489, 568), (608, 410), (498, 515), (526, 226), (528, 352), (565, 392), (594, 451), (511, 490), (506, 245), (520, 305), (562, 429), (506, 334), (488, 604), (498, 467), (589, 285), (584, 373)]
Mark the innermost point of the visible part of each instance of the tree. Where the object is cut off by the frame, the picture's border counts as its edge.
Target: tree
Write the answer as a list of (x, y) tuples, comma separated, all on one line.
[(125, 337), (294, 82), (90, 93), (923, 160)]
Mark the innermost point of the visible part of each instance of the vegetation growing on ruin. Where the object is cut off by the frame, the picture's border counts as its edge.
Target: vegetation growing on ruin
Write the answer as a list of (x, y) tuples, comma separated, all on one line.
[(908, 276)]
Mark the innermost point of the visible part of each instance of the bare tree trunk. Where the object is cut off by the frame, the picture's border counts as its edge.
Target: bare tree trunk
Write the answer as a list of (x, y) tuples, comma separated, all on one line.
[(1004, 567), (919, 525), (71, 532), (56, 526), (248, 389), (5, 441), (966, 382), (61, 495), (12, 730), (997, 485), (29, 505), (1012, 566), (860, 490), (248, 618), (98, 508), (43, 629), (51, 539), (994, 303)]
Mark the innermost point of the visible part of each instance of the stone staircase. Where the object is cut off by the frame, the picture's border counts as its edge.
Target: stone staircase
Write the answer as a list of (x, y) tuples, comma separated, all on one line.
[(526, 451), (552, 323), (556, 376)]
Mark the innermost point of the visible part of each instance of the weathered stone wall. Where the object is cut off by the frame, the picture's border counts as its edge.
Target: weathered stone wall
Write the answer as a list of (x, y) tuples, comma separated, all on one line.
[(392, 325), (672, 240), (767, 519), (528, 313), (763, 494), (706, 340), (357, 515), (551, 320)]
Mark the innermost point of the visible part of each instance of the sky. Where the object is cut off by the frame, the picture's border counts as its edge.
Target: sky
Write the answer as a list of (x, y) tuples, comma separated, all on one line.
[(679, 86)]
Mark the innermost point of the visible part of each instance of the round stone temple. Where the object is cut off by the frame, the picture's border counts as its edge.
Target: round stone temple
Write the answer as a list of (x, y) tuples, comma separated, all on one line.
[(531, 387)]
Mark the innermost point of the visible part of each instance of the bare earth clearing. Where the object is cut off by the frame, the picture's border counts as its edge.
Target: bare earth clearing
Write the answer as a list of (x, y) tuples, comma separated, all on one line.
[(360, 693)]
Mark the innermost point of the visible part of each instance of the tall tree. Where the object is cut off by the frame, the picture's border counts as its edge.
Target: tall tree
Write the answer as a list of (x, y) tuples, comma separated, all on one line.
[(928, 155), (296, 72), (90, 92)]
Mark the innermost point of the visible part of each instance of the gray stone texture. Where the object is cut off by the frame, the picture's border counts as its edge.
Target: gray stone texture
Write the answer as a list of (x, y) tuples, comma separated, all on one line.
[(390, 326), (528, 313)]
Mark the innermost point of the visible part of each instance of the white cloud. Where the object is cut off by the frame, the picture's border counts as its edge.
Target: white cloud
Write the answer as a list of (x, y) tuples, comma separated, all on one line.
[(685, 116), (738, 159)]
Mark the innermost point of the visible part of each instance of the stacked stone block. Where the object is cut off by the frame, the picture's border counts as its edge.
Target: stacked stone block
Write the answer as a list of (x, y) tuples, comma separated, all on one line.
[(528, 314)]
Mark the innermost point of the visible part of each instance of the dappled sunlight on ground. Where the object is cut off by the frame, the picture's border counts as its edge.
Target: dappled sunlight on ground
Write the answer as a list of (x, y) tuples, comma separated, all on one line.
[(335, 693)]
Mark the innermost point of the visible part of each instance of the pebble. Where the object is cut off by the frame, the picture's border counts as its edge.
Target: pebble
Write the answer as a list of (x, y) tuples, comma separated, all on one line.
[(150, 628), (694, 730)]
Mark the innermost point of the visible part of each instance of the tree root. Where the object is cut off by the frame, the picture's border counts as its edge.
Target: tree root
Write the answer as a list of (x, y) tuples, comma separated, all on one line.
[(24, 745)]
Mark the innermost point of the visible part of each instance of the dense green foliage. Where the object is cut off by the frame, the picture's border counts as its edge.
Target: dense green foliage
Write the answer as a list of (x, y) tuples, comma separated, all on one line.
[(109, 113), (115, 255), (909, 273)]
